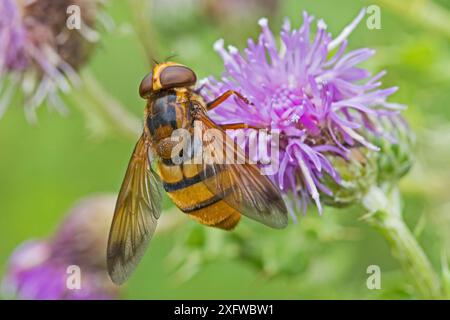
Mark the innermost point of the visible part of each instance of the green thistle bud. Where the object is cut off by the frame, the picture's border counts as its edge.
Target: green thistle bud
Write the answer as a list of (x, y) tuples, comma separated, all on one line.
[(358, 174), (395, 158)]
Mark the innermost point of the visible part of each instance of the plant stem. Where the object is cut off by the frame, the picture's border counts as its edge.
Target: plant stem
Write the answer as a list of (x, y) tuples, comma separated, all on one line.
[(104, 112), (385, 216), (142, 21)]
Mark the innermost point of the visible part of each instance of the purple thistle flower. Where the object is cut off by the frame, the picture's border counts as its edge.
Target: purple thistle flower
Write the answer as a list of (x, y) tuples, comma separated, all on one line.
[(38, 269), (39, 53), (318, 98)]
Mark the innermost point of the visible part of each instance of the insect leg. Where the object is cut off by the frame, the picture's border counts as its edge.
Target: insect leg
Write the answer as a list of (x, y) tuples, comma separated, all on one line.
[(238, 125), (211, 105)]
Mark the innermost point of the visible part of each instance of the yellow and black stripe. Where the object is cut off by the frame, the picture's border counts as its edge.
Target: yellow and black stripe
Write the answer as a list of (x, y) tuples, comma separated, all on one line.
[(185, 186)]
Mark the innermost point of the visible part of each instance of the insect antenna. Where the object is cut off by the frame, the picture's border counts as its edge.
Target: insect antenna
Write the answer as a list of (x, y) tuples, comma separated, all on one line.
[(170, 57)]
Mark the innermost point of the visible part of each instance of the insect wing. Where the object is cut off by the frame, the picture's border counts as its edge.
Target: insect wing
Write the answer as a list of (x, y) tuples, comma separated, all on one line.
[(240, 184), (137, 210)]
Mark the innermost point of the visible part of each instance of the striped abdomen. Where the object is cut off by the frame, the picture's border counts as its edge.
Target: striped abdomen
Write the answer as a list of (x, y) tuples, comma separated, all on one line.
[(184, 185)]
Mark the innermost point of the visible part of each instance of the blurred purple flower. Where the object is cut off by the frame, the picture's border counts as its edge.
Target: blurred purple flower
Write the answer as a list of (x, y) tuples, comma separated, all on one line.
[(39, 53), (38, 269), (322, 103)]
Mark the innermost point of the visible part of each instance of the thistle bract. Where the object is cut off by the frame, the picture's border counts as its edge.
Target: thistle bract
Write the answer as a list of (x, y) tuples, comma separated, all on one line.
[(358, 173), (395, 157), (311, 90)]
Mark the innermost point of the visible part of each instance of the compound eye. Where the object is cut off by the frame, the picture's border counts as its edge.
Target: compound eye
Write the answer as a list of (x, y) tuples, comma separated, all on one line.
[(177, 76), (146, 86)]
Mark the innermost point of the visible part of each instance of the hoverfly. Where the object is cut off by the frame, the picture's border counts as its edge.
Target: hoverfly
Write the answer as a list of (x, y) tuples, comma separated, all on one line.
[(215, 194)]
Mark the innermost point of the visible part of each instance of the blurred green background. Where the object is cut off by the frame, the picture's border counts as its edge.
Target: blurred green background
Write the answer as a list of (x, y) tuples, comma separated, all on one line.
[(45, 168)]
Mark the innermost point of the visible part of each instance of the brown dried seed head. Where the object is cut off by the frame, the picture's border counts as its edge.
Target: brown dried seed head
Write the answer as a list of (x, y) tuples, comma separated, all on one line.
[(45, 21)]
